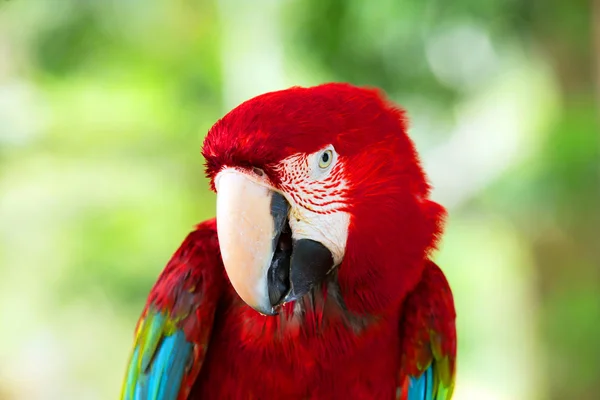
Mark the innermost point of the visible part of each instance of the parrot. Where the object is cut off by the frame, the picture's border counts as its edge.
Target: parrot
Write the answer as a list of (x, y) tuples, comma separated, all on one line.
[(315, 279)]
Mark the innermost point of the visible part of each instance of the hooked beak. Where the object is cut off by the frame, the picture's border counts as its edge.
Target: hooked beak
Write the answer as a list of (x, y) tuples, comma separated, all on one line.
[(265, 265)]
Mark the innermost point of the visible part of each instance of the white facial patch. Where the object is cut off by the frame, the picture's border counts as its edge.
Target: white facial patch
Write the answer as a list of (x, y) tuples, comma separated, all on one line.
[(331, 230), (316, 189)]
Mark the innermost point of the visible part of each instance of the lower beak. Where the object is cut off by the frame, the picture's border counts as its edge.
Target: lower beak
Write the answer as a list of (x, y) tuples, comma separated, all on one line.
[(264, 264)]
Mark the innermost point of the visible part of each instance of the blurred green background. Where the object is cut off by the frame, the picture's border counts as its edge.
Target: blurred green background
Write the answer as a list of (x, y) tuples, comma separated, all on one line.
[(104, 106)]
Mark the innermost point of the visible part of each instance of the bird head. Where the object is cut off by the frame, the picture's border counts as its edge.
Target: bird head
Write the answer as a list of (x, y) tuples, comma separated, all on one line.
[(315, 180)]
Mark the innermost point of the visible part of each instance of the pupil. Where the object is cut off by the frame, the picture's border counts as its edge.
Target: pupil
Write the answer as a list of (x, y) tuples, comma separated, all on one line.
[(325, 157)]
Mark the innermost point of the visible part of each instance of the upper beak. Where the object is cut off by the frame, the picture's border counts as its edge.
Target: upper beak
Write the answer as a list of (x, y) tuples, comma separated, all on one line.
[(265, 265)]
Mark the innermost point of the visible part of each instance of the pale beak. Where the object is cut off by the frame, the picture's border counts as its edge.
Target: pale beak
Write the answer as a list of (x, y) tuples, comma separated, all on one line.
[(250, 218), (265, 265)]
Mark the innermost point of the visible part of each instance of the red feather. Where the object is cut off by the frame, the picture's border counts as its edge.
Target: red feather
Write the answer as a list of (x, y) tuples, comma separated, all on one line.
[(428, 333), (353, 335)]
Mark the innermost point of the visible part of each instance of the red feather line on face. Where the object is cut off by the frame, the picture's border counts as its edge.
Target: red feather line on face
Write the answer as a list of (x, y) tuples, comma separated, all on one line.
[(323, 196)]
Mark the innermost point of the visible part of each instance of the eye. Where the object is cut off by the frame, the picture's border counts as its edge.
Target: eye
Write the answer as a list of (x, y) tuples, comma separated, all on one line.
[(325, 159)]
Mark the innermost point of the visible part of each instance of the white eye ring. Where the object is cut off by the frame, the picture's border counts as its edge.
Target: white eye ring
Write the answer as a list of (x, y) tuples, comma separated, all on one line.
[(325, 159)]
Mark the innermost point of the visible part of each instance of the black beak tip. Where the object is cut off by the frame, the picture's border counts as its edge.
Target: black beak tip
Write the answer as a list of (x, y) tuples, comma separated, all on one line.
[(269, 313)]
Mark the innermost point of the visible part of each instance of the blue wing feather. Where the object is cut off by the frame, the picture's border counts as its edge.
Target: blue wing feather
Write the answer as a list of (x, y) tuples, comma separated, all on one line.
[(165, 361), (158, 362), (421, 388)]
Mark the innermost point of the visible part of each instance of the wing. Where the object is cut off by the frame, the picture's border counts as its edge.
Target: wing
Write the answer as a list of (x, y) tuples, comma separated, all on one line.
[(429, 340), (172, 334)]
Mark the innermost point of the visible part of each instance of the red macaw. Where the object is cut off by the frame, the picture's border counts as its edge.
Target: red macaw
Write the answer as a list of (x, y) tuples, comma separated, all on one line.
[(314, 281)]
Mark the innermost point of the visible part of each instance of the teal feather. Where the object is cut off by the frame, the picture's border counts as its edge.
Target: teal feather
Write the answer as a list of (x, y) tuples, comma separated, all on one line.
[(421, 388)]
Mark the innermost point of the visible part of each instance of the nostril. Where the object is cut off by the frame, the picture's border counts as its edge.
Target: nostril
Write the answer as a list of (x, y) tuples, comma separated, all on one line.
[(258, 171)]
